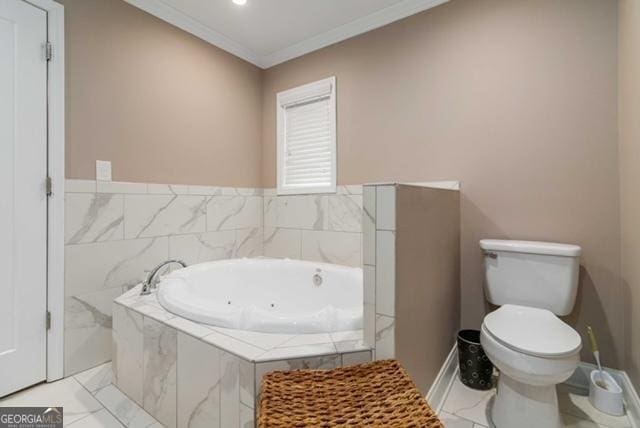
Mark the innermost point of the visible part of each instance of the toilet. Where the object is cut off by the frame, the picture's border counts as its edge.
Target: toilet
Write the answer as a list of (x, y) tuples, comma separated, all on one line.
[(532, 283)]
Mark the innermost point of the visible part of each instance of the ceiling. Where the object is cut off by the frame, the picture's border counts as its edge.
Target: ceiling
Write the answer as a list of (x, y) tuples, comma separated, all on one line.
[(268, 32)]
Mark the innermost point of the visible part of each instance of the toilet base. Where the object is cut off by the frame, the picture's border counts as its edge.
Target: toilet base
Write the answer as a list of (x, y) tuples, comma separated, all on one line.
[(525, 406)]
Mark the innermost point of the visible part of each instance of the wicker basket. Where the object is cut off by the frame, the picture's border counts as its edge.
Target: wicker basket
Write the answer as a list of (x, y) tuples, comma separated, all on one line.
[(378, 394)]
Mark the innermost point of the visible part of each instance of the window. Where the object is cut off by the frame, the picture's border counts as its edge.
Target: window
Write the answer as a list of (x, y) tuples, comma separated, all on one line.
[(307, 138)]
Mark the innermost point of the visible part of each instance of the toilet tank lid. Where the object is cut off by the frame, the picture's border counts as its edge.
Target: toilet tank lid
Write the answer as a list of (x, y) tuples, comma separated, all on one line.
[(531, 247)]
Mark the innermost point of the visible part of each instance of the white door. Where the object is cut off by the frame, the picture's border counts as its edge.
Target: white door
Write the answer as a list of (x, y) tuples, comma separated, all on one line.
[(23, 199)]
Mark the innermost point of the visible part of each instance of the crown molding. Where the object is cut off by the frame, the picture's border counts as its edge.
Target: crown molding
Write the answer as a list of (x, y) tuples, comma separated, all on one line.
[(367, 23), (173, 16), (359, 26)]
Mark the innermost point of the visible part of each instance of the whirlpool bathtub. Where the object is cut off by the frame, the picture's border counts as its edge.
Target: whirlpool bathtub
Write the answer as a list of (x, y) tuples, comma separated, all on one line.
[(267, 295)]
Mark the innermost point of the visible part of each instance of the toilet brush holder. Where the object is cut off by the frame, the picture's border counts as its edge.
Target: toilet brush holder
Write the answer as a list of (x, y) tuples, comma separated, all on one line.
[(609, 399)]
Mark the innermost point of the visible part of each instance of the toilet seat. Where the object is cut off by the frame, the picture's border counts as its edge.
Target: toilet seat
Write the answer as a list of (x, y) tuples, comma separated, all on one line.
[(532, 331)]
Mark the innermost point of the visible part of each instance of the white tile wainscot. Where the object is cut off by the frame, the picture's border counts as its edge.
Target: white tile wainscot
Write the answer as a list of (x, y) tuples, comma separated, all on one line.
[(114, 231), (185, 373), (323, 228), (379, 226)]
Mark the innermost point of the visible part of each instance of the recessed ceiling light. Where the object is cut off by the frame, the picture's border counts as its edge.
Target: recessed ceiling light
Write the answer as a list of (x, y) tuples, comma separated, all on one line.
[(240, 2)]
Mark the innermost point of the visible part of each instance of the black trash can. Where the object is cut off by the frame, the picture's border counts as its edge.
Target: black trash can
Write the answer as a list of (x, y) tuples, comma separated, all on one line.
[(476, 371)]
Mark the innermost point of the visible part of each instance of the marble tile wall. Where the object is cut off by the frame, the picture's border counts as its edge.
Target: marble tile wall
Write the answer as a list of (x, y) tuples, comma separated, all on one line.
[(379, 240), (115, 231), (187, 375), (325, 228)]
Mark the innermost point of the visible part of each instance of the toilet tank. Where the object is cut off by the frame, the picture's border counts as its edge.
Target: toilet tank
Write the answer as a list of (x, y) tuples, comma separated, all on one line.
[(536, 274)]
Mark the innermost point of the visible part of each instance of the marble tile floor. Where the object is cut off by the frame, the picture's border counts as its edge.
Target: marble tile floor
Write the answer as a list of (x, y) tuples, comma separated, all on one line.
[(89, 401), (467, 408)]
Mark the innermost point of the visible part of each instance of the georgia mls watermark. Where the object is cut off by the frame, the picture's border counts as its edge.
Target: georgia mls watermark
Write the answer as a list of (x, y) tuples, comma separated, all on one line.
[(30, 417)]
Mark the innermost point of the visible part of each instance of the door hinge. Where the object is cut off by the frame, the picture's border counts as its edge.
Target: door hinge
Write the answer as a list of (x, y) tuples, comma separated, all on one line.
[(49, 186), (48, 320), (48, 51)]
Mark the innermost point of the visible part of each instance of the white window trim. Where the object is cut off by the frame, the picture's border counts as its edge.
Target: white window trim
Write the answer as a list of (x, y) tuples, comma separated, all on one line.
[(301, 94)]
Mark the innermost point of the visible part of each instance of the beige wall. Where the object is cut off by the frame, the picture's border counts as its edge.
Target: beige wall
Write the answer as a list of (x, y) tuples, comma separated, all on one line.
[(427, 292), (515, 98), (161, 105), (629, 121)]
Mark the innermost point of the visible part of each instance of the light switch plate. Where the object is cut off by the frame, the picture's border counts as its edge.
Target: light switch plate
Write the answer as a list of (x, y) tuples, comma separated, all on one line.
[(103, 170)]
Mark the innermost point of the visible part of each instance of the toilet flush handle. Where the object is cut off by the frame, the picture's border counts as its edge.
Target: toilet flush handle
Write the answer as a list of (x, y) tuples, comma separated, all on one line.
[(491, 254)]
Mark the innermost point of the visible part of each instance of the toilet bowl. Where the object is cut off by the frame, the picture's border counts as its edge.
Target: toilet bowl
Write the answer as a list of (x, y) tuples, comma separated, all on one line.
[(534, 351), (533, 283)]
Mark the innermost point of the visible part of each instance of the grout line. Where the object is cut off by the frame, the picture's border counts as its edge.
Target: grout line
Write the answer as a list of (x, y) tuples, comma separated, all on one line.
[(206, 212), (177, 363), (98, 400), (235, 338), (124, 219), (473, 423), (448, 392), (142, 357), (167, 236), (255, 393), (220, 382), (300, 244), (82, 418)]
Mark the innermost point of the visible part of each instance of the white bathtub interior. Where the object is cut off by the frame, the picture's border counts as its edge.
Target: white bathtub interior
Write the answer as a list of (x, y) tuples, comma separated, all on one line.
[(267, 295)]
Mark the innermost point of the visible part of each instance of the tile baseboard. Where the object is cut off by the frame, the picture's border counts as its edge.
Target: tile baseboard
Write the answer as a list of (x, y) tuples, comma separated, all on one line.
[(441, 385), (580, 379)]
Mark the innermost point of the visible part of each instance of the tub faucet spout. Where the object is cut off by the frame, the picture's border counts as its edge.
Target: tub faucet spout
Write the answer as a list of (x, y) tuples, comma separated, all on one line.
[(151, 282)]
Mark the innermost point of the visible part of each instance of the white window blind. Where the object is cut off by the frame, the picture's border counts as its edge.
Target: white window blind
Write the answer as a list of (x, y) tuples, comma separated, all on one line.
[(307, 139)]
